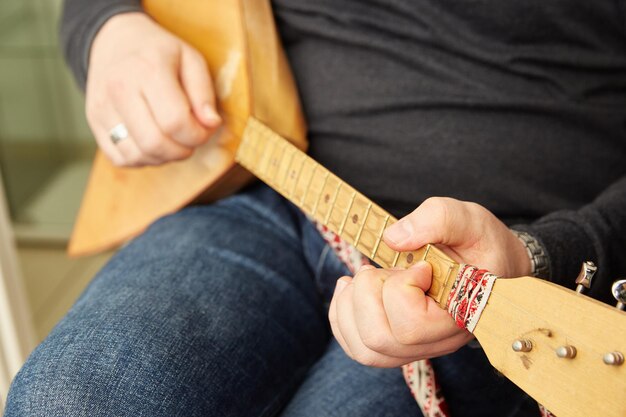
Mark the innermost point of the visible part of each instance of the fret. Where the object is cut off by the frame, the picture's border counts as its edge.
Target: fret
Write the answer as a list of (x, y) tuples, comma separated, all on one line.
[(345, 218), (283, 163), (436, 281), (332, 203), (262, 151), (380, 237), (443, 270), (369, 236), (292, 152), (304, 183), (327, 193), (308, 186), (317, 200), (395, 260), (265, 160), (295, 182), (384, 254), (341, 209), (276, 163), (355, 217), (426, 252), (253, 159), (358, 235), (444, 285)]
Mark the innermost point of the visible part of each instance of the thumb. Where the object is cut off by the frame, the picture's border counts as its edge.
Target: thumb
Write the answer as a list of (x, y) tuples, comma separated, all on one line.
[(437, 220), (419, 275), (196, 81)]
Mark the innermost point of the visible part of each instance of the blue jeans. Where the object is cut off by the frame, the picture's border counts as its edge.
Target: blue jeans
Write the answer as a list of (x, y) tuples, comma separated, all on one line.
[(220, 310)]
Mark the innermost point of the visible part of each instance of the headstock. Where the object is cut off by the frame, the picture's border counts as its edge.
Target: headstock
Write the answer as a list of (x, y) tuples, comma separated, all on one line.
[(563, 348)]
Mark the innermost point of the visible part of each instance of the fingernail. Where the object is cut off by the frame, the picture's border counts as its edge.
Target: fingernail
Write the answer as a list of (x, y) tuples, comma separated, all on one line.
[(341, 284), (399, 232), (364, 267), (210, 115)]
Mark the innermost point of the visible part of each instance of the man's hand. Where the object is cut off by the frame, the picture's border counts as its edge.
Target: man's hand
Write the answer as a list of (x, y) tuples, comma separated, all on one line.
[(384, 318), (156, 85)]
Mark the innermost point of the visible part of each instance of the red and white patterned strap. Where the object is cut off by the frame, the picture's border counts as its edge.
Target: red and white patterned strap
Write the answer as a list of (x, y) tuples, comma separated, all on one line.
[(469, 295), (421, 379)]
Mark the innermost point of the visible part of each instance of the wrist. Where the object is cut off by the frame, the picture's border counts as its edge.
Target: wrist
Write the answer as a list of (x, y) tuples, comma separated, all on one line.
[(123, 21), (112, 37)]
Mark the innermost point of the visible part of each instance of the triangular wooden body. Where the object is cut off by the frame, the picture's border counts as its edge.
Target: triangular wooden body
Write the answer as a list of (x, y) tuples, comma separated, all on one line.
[(251, 75)]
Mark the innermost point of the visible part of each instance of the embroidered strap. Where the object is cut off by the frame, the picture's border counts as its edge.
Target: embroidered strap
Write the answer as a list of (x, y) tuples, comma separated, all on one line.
[(421, 379), (469, 295)]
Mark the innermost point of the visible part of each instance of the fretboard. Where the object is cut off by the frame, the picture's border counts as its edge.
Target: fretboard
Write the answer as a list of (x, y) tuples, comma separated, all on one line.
[(332, 202)]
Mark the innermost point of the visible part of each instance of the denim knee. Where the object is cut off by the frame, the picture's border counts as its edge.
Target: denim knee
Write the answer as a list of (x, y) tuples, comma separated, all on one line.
[(211, 312)]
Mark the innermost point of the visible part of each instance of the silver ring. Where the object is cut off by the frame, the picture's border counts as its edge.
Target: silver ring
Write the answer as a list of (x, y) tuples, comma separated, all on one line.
[(118, 133)]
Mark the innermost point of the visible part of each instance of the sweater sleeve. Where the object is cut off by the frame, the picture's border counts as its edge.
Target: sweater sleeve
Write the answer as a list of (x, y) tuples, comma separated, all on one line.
[(596, 232), (80, 22)]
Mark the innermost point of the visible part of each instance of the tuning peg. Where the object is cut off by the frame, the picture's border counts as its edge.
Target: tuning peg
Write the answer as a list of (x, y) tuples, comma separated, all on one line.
[(619, 292), (587, 271), (566, 352), (522, 345), (613, 358)]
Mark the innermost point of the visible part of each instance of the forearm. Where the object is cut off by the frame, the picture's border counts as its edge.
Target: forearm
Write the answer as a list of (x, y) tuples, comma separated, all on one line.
[(596, 232), (80, 23)]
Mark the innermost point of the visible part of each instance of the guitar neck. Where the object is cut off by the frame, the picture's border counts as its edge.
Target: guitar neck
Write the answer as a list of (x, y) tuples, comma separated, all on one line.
[(518, 309), (332, 202)]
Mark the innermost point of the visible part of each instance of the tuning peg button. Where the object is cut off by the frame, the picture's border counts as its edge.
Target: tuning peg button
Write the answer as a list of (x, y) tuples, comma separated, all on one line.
[(613, 358), (619, 293), (587, 271), (566, 352), (522, 345)]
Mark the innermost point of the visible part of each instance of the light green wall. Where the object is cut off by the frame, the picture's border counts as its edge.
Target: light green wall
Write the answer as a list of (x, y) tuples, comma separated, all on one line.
[(43, 133), (39, 101)]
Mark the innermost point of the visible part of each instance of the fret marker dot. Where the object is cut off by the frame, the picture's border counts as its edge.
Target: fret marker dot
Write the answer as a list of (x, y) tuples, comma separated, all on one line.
[(293, 174), (326, 198), (355, 219), (409, 258)]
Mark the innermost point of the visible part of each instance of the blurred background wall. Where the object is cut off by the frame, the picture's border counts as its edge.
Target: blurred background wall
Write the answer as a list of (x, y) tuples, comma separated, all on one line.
[(45, 155), (45, 144)]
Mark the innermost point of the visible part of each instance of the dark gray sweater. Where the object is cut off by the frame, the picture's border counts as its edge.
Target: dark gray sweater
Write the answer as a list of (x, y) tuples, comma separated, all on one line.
[(518, 106)]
